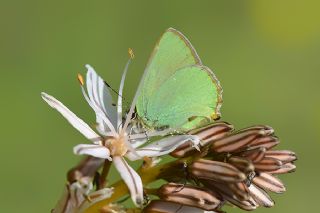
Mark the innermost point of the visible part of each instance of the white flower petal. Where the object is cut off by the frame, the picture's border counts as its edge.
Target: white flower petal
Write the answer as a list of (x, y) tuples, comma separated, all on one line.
[(75, 121), (100, 95), (104, 124), (101, 127), (97, 151), (119, 105), (131, 178), (164, 146)]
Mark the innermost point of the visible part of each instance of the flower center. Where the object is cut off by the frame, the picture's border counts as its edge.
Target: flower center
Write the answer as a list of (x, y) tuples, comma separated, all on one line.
[(116, 145)]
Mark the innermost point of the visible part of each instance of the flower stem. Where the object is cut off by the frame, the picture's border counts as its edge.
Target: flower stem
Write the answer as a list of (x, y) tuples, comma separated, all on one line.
[(104, 173)]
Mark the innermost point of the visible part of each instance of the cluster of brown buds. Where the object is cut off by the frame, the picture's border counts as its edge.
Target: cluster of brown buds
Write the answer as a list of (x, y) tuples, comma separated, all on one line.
[(235, 167)]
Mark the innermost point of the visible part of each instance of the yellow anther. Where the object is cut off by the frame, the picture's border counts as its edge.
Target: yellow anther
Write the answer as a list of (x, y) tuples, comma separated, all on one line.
[(131, 54), (80, 79)]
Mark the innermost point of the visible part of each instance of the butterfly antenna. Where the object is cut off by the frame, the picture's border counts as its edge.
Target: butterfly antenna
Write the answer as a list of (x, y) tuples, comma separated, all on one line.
[(113, 90), (110, 87)]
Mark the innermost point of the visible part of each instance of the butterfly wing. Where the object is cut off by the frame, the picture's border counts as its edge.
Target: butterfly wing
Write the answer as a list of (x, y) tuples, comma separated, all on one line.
[(189, 97), (177, 87), (172, 51)]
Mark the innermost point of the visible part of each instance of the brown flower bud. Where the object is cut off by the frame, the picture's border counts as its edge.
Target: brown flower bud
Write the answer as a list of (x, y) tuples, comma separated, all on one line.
[(215, 170), (268, 164), (285, 168), (242, 164), (239, 140), (254, 154), (237, 190), (269, 182), (268, 142), (285, 156), (207, 135), (267, 129), (189, 196), (212, 132), (231, 194)]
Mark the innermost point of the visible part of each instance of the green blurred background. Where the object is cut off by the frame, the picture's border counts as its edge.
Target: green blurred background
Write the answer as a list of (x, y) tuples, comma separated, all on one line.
[(265, 53)]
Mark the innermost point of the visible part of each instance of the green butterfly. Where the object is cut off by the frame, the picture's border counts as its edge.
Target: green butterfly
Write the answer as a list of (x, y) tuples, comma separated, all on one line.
[(177, 91)]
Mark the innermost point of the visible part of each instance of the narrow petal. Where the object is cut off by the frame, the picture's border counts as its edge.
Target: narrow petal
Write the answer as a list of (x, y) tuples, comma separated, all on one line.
[(100, 100), (164, 146), (97, 151), (99, 94), (105, 127), (75, 121), (119, 105), (131, 178)]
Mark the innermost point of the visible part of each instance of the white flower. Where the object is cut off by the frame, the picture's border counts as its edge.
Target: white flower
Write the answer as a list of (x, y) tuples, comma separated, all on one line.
[(115, 139)]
